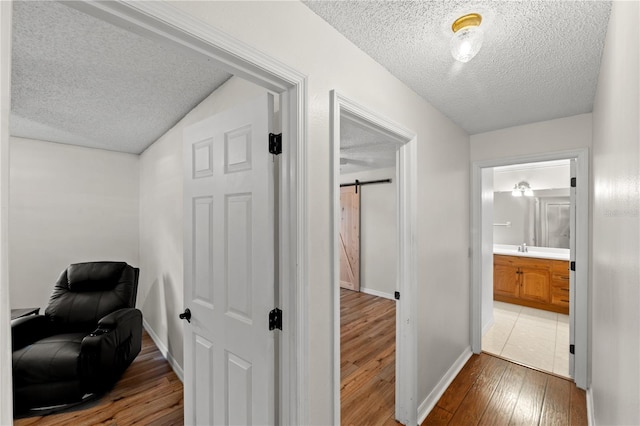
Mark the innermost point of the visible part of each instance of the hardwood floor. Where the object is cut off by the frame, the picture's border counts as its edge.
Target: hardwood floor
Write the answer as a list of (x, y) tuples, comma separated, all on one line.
[(491, 391), (148, 393), (367, 359), (487, 391)]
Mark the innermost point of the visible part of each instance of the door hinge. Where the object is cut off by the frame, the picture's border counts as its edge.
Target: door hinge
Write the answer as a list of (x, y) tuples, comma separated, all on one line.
[(572, 349), (573, 182), (396, 295), (275, 143), (572, 266), (275, 319)]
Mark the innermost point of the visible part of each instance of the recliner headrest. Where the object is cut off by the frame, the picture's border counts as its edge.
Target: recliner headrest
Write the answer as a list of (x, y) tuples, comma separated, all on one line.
[(94, 276)]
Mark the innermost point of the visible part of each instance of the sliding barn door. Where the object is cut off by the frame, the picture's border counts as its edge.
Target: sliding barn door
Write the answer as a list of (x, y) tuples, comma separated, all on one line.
[(350, 238), (229, 268)]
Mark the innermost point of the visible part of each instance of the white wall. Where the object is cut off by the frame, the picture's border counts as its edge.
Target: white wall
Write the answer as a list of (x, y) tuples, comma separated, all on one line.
[(536, 138), (292, 33), (161, 220), (615, 361), (378, 232), (67, 204)]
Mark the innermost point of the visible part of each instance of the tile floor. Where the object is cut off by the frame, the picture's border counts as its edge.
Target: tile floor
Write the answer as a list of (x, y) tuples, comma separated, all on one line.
[(532, 337)]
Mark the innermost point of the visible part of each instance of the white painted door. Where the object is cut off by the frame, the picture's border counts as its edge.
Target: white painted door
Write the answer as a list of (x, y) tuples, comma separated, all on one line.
[(229, 359)]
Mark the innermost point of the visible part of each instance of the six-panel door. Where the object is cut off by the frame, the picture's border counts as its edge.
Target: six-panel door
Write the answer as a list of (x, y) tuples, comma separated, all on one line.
[(229, 268)]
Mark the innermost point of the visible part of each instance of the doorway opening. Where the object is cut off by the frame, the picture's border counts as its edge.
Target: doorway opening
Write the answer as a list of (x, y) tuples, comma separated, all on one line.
[(166, 24), (528, 319), (373, 266), (521, 280), (368, 259)]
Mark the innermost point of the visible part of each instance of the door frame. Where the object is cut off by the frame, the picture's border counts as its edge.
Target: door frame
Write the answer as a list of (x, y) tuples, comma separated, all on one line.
[(6, 371), (406, 307), (167, 24), (580, 299)]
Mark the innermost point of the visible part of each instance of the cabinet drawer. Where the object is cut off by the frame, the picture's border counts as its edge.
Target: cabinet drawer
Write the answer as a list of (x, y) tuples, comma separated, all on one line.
[(500, 259), (560, 280), (534, 262), (560, 297)]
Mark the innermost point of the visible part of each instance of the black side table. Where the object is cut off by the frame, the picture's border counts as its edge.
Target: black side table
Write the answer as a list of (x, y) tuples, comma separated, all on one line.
[(23, 312)]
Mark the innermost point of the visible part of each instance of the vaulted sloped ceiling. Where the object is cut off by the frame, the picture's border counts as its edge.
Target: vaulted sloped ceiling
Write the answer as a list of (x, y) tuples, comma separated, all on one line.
[(79, 80), (540, 59)]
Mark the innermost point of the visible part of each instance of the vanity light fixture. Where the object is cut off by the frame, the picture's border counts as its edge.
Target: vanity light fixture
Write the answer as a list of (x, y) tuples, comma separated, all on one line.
[(522, 188), (467, 37)]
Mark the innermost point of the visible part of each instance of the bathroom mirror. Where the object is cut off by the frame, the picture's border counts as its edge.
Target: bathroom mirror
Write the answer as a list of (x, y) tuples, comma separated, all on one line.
[(540, 221)]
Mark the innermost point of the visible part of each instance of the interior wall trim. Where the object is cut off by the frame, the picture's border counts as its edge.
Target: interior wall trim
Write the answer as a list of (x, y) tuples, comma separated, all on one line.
[(591, 416), (377, 293), (6, 359), (432, 399), (164, 350)]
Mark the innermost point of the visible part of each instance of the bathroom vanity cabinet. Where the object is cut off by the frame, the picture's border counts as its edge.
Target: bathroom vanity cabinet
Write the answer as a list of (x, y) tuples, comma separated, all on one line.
[(534, 282)]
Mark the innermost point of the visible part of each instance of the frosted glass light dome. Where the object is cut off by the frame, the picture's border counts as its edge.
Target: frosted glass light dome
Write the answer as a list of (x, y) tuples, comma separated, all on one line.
[(466, 43), (467, 37)]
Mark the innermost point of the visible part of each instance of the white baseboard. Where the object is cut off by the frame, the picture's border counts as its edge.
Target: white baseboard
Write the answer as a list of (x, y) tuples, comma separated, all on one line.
[(164, 351), (432, 399), (591, 419), (377, 293)]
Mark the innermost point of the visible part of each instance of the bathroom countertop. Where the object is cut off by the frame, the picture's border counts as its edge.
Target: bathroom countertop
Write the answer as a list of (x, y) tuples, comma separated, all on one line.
[(538, 252)]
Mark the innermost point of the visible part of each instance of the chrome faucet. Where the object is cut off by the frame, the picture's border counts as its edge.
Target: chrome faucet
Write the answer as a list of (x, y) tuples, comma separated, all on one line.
[(523, 248)]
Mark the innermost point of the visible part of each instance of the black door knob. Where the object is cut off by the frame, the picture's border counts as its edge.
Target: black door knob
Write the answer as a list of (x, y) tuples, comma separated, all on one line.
[(186, 315)]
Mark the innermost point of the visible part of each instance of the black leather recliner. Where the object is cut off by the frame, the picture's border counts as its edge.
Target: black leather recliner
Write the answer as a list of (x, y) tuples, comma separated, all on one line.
[(90, 333)]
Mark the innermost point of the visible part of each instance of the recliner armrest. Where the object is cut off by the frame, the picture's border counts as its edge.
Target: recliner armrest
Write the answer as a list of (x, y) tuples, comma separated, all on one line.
[(120, 318), (29, 329), (110, 348)]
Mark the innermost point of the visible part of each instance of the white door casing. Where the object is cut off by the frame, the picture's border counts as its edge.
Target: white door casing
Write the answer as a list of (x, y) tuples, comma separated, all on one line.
[(572, 274), (229, 267)]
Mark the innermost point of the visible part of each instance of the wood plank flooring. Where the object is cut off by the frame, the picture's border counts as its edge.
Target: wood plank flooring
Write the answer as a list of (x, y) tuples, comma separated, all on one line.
[(492, 391), (367, 359), (487, 391), (148, 393)]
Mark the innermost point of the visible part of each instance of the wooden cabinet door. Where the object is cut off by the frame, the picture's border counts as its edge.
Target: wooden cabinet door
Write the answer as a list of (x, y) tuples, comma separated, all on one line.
[(505, 280), (350, 238), (534, 284)]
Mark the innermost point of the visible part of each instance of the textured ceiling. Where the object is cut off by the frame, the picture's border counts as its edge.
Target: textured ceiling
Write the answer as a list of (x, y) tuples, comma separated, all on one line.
[(540, 59), (79, 80), (363, 149)]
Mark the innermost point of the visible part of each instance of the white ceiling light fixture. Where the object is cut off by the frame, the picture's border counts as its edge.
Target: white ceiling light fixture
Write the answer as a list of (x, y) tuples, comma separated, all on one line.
[(467, 37), (522, 188)]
